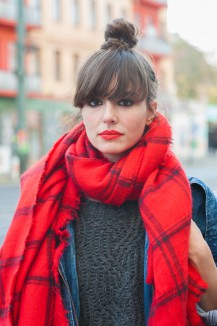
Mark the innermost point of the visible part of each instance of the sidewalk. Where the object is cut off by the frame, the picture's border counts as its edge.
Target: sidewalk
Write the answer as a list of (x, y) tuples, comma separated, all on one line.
[(205, 169)]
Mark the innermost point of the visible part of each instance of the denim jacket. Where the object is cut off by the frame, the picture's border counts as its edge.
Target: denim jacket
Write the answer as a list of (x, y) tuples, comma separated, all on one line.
[(204, 214)]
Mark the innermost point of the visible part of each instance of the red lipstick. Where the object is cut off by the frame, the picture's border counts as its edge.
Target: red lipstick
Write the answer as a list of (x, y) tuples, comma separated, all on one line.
[(110, 134)]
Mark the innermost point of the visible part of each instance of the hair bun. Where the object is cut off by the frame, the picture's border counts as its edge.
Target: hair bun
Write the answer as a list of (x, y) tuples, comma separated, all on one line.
[(120, 34)]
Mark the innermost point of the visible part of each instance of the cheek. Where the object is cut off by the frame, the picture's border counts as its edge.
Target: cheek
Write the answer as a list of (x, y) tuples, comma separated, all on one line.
[(88, 119), (136, 122)]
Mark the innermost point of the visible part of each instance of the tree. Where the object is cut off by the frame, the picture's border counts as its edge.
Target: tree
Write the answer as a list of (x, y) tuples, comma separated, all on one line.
[(194, 75)]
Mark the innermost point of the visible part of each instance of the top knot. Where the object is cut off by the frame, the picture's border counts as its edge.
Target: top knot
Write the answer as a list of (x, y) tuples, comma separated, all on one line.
[(120, 34)]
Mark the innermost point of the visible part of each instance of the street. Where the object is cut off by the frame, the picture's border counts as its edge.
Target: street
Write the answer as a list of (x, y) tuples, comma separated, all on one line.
[(9, 194)]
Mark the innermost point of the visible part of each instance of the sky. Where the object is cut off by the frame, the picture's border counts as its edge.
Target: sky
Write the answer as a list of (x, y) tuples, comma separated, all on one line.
[(195, 21)]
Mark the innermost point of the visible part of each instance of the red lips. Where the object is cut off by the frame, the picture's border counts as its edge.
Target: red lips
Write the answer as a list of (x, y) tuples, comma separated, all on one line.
[(110, 134)]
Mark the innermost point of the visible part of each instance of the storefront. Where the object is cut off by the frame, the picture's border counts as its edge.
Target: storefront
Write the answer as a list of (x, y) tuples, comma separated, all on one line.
[(190, 130), (212, 128)]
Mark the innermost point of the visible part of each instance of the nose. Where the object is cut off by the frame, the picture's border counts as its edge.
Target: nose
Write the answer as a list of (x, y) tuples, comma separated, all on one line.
[(109, 112)]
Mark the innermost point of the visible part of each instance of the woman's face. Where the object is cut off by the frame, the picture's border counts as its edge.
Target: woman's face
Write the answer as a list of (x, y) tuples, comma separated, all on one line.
[(114, 128)]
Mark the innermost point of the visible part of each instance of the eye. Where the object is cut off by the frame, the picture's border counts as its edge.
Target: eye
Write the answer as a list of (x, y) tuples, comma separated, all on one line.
[(94, 103), (126, 102)]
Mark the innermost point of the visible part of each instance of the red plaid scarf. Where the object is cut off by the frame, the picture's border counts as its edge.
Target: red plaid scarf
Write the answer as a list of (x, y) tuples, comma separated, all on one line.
[(29, 258)]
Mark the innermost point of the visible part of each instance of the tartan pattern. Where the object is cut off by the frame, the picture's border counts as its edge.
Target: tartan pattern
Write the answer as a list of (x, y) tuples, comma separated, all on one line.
[(51, 191)]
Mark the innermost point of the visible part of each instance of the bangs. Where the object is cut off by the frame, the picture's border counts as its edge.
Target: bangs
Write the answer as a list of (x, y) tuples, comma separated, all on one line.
[(119, 75)]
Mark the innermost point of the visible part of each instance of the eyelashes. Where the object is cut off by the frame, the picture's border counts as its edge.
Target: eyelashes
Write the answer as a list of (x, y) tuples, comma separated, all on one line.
[(94, 103), (123, 102)]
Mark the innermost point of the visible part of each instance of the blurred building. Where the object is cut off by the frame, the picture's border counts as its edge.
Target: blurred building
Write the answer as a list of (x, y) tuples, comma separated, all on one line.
[(9, 70), (212, 128), (193, 123), (151, 17), (190, 130), (58, 36), (70, 31)]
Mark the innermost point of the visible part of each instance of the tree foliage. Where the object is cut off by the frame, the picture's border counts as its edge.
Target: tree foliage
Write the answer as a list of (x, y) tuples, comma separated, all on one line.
[(194, 75)]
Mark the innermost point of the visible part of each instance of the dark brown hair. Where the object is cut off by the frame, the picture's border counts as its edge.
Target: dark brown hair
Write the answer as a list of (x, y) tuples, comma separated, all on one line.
[(116, 71)]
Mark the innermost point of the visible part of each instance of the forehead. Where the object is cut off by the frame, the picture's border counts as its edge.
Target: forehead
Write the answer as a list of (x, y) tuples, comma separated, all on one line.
[(112, 76), (120, 86)]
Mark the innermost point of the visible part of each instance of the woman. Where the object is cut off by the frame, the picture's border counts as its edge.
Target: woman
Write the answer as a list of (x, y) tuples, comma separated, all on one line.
[(74, 254)]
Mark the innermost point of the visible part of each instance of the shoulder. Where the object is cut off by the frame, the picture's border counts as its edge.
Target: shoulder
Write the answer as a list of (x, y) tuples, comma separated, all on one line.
[(201, 187), (203, 196), (210, 317), (204, 212)]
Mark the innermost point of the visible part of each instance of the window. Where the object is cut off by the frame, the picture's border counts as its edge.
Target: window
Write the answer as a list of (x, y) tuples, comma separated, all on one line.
[(92, 14), (151, 30), (57, 65), (162, 29), (75, 12), (34, 4), (33, 12), (138, 19), (33, 62), (108, 13), (56, 9), (75, 63)]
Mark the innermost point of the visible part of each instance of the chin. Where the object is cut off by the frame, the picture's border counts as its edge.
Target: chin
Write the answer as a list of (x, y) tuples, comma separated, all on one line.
[(114, 156)]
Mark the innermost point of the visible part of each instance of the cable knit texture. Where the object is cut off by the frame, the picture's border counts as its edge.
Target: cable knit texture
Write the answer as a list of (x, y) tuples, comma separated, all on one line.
[(110, 264)]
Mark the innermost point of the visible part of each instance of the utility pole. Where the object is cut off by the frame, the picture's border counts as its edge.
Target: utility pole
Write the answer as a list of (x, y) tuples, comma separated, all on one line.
[(21, 136)]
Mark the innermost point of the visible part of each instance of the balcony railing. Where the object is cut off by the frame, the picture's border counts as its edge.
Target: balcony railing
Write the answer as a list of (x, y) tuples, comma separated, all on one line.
[(9, 82), (8, 11), (155, 2), (154, 46)]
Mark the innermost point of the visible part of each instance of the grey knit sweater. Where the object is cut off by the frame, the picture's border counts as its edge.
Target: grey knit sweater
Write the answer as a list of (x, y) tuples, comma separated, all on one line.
[(110, 256)]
